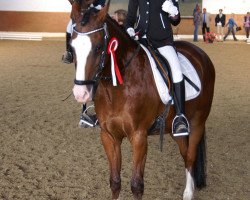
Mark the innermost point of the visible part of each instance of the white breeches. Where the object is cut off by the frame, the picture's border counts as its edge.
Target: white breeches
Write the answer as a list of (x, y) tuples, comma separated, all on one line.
[(69, 27), (170, 54)]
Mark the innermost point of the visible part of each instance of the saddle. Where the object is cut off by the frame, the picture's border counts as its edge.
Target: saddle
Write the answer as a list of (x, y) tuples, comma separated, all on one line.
[(164, 70), (163, 67), (162, 73)]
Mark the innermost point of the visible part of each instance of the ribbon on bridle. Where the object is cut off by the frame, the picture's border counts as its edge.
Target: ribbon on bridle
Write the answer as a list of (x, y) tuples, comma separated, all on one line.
[(112, 46)]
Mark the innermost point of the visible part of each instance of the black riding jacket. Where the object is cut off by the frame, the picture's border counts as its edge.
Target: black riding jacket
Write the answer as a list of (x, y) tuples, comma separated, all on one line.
[(152, 21)]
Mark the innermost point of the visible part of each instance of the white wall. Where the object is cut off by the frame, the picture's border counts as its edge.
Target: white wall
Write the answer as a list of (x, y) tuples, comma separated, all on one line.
[(35, 5), (228, 6)]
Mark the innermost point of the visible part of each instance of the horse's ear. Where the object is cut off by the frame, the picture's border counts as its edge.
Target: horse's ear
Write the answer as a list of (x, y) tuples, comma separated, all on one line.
[(75, 11), (103, 12)]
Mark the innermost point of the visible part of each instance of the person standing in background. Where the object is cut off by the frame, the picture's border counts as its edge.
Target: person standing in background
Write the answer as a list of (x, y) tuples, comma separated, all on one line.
[(220, 21), (197, 21), (247, 24), (205, 20), (231, 23)]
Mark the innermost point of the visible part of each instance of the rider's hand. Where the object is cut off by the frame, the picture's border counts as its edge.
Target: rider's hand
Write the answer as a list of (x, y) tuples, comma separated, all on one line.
[(131, 33), (169, 7)]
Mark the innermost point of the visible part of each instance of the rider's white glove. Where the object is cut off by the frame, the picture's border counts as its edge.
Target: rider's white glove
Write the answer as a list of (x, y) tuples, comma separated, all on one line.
[(131, 33), (169, 7)]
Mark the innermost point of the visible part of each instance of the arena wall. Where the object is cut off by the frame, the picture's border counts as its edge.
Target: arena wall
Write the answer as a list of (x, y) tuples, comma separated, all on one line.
[(228, 6), (33, 21), (53, 16)]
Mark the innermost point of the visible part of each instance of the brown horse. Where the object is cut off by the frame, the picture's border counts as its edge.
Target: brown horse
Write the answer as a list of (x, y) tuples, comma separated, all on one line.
[(129, 109)]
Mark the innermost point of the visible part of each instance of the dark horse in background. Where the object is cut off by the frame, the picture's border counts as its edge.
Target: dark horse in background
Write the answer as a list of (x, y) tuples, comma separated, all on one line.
[(130, 109)]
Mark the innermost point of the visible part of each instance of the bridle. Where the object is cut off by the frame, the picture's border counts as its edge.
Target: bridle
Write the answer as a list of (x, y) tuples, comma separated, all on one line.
[(96, 77)]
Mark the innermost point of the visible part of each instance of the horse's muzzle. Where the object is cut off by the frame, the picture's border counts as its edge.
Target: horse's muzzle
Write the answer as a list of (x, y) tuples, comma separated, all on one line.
[(83, 93)]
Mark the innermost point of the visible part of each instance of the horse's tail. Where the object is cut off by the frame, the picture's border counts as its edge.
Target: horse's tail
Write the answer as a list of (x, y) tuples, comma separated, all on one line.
[(200, 165)]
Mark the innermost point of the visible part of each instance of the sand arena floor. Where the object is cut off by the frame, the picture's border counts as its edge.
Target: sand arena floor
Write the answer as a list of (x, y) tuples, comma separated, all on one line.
[(45, 156)]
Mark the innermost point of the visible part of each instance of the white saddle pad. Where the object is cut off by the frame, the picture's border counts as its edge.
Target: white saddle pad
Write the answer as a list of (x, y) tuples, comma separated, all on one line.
[(187, 69)]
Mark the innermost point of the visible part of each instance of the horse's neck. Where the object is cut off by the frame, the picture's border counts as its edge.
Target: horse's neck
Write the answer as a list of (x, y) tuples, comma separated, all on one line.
[(126, 46), (117, 31)]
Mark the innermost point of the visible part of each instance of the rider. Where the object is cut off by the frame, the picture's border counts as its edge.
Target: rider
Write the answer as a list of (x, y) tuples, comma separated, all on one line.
[(68, 54), (154, 25)]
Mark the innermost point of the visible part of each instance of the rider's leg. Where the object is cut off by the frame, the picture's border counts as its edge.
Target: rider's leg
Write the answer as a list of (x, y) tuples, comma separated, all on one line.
[(68, 54), (180, 126)]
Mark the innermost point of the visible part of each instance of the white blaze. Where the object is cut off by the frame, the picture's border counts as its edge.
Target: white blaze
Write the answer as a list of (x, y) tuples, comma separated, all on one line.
[(82, 45)]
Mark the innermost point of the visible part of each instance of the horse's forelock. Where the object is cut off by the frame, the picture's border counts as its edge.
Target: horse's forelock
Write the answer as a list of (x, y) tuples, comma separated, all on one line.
[(87, 14)]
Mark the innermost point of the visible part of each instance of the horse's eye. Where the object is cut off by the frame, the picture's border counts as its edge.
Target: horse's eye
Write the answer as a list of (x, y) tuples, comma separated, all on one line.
[(98, 48)]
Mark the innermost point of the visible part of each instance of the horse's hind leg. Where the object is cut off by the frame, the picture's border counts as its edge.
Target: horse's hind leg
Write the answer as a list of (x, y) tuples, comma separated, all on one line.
[(183, 147), (189, 154), (139, 145), (112, 148)]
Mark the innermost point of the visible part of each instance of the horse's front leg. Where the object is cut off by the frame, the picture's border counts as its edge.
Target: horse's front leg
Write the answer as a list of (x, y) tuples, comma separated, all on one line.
[(139, 145), (112, 148)]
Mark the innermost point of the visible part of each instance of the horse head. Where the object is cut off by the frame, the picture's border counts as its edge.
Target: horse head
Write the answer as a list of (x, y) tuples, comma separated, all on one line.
[(89, 46)]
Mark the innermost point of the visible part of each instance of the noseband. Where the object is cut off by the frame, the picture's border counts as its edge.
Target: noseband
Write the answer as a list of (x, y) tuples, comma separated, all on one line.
[(96, 77)]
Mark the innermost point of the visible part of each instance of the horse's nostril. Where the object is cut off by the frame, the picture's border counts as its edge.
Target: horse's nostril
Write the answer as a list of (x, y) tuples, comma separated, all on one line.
[(89, 88)]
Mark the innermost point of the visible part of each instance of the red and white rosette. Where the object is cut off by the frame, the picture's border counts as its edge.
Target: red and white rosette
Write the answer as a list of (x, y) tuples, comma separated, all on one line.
[(112, 46)]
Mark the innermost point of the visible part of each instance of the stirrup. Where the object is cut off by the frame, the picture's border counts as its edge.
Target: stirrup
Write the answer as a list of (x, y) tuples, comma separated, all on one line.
[(88, 120), (67, 57), (180, 126)]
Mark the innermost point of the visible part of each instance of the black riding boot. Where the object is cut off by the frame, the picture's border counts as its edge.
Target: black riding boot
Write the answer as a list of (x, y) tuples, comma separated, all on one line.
[(180, 126), (68, 55)]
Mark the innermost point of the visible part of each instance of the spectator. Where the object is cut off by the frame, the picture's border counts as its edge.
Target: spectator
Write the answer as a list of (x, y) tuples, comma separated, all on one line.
[(231, 23), (195, 8), (120, 16), (205, 20), (220, 21), (247, 24), (197, 21)]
